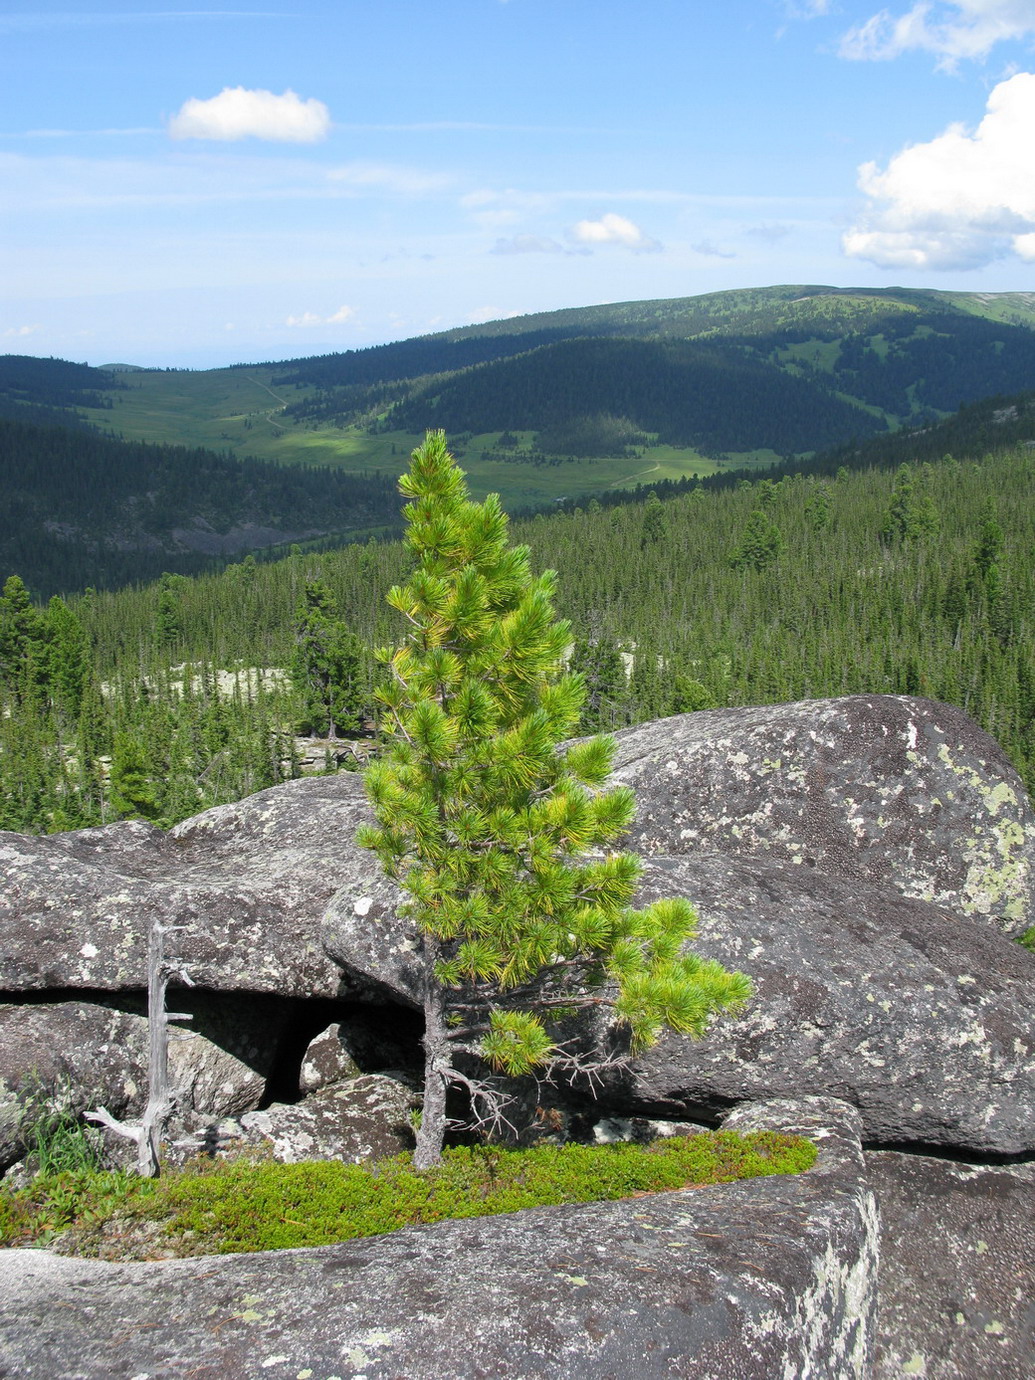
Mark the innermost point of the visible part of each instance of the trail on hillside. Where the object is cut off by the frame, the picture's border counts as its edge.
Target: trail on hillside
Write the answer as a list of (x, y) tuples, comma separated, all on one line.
[(619, 482), (266, 387)]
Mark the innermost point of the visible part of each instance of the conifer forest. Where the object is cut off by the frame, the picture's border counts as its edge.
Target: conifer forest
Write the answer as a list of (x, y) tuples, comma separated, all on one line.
[(157, 700)]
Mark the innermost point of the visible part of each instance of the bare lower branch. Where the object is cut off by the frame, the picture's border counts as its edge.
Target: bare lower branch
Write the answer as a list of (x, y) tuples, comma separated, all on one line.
[(127, 1129), (573, 1064), (487, 1104)]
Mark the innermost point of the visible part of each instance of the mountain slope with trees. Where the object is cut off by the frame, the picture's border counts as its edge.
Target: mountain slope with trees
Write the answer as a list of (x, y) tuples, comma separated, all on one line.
[(915, 579), (569, 403), (80, 509)]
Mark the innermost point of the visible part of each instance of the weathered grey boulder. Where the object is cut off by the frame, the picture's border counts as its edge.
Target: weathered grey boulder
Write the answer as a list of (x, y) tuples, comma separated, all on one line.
[(957, 1270), (367, 1118), (247, 882), (328, 1060), (363, 933), (754, 1280), (922, 1023), (75, 1056), (907, 793)]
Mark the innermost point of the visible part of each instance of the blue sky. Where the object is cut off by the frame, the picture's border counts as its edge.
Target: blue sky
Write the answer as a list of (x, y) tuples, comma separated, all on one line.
[(205, 186)]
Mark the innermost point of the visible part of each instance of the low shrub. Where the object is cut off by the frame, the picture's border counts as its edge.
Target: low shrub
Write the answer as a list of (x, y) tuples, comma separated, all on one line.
[(219, 1207)]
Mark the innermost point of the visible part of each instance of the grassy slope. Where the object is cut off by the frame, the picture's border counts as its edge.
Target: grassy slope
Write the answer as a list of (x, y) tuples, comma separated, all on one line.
[(241, 409)]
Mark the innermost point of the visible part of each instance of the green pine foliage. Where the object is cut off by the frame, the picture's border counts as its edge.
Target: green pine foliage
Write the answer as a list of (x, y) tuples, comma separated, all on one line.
[(760, 542), (598, 660), (326, 666), (504, 845), (911, 515)]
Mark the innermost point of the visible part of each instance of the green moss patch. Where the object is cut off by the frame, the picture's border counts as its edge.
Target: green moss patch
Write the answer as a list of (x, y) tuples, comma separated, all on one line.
[(247, 1206)]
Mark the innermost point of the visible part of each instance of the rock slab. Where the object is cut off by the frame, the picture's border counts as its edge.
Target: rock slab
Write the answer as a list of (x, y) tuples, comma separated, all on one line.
[(902, 792), (862, 994), (245, 883), (766, 1279), (957, 1270), (76, 1056)]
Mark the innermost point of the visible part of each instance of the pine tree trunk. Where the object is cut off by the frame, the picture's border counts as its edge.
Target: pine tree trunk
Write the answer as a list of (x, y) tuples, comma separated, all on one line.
[(436, 1063)]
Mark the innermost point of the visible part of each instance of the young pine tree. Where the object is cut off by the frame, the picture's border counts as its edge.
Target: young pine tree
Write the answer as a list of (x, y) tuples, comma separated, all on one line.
[(503, 843)]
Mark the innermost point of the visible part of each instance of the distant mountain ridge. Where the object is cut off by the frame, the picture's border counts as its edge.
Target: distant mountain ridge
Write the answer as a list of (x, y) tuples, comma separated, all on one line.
[(545, 408)]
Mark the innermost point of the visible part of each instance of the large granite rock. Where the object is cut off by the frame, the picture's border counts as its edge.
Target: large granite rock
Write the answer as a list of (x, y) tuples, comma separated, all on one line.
[(247, 882), (364, 1119), (75, 1056), (957, 1269), (922, 1023), (902, 792), (329, 1058), (747, 1281)]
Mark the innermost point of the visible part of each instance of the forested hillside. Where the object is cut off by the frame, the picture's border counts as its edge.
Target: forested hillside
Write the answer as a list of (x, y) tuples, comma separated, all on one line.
[(712, 398), (78, 509), (915, 580), (566, 404), (836, 364)]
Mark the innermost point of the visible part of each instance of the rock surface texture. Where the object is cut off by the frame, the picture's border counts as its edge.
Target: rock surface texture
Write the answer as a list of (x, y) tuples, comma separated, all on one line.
[(766, 1279), (247, 882), (922, 1022), (957, 1272), (867, 861), (905, 793), (363, 1119), (76, 1056)]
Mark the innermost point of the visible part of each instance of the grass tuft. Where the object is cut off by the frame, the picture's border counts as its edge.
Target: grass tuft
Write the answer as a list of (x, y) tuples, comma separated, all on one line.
[(222, 1207)]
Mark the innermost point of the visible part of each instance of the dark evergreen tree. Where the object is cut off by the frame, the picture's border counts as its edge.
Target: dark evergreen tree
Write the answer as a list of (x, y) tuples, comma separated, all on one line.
[(598, 660), (326, 666), (911, 514), (760, 544), (131, 793)]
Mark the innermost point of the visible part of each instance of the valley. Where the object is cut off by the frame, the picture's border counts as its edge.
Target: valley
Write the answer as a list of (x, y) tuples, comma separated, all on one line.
[(595, 397)]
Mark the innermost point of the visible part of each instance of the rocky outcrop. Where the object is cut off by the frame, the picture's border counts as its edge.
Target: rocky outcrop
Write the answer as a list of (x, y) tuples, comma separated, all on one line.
[(246, 883), (747, 1281), (900, 792), (920, 1021), (957, 1271), (328, 1059), (74, 1056), (365, 1118)]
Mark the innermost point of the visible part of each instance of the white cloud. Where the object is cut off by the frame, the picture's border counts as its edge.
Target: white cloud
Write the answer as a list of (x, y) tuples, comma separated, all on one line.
[(712, 250), (956, 30), (527, 244), (388, 177), (237, 113), (310, 318), (959, 201), (770, 233), (807, 9), (612, 229), (22, 330)]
